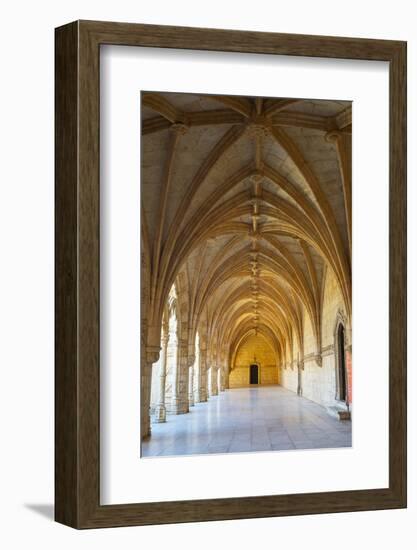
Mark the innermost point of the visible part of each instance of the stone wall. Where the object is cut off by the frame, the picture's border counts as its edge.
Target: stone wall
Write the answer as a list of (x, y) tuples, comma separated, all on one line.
[(318, 371), (289, 378), (268, 374), (255, 349), (319, 383)]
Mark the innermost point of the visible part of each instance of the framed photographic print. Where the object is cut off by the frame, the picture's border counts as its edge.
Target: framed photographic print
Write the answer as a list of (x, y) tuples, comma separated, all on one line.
[(230, 274)]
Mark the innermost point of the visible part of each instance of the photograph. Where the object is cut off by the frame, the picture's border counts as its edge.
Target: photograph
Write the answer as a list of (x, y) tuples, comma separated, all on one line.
[(209, 259), (246, 278)]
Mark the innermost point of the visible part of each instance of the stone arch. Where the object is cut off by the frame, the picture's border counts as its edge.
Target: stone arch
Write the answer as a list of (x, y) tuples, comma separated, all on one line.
[(339, 337), (242, 226)]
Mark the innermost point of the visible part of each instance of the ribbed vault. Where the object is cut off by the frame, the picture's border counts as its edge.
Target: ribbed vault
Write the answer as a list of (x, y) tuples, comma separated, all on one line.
[(246, 204)]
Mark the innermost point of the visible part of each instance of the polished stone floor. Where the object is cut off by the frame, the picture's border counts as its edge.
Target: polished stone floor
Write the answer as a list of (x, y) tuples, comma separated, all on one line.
[(262, 418)]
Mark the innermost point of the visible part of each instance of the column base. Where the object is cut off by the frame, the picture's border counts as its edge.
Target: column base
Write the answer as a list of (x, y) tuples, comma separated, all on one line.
[(177, 407), (160, 414), (146, 432), (200, 396)]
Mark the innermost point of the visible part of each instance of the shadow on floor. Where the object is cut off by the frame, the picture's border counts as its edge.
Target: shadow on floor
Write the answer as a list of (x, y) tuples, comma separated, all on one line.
[(45, 510)]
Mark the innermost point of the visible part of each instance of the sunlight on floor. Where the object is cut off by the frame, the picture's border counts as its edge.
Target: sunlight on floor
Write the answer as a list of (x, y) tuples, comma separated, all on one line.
[(268, 418)]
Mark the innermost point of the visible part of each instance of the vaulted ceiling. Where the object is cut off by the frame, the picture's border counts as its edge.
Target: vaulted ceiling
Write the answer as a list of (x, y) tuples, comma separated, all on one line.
[(245, 203)]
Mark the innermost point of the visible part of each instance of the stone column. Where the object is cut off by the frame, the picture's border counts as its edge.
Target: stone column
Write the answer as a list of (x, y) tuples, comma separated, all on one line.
[(160, 409), (183, 378), (213, 389), (200, 394), (152, 356), (299, 379), (191, 361), (179, 399), (343, 143), (220, 377), (226, 377), (171, 382), (208, 381)]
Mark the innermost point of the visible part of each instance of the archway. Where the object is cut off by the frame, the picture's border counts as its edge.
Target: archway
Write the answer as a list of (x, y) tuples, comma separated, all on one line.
[(247, 213), (254, 374), (341, 375)]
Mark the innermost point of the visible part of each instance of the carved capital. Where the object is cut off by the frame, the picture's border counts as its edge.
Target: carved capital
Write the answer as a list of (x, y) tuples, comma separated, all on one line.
[(183, 343), (257, 177), (152, 354), (257, 129), (333, 136), (179, 128)]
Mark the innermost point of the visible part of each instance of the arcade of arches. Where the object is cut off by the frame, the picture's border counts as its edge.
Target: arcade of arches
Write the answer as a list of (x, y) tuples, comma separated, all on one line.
[(246, 250)]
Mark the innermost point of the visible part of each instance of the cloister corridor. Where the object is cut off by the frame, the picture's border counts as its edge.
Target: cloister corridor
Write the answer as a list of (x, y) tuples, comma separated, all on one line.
[(261, 418), (246, 282)]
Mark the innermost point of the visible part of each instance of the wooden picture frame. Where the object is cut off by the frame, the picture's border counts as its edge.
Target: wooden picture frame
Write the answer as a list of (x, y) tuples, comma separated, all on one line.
[(77, 360)]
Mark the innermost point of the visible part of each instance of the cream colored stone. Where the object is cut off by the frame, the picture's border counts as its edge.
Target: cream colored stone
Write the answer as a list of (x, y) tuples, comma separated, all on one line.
[(246, 246)]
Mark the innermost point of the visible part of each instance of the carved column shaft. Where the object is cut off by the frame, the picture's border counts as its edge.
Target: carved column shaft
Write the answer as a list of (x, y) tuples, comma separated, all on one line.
[(343, 142), (191, 368), (200, 394), (300, 367), (213, 389), (152, 356), (160, 410), (191, 386), (171, 372), (179, 395), (226, 377), (183, 376), (220, 379)]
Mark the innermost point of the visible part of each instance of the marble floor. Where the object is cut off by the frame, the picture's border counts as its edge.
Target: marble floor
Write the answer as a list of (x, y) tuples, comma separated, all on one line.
[(262, 418)]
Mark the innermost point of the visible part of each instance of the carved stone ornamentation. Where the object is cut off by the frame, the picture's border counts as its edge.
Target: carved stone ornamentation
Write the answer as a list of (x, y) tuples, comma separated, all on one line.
[(179, 128), (245, 247), (152, 354), (318, 360), (258, 128), (333, 136)]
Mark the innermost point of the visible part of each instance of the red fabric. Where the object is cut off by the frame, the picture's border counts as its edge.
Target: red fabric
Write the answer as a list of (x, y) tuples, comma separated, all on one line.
[(349, 374)]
